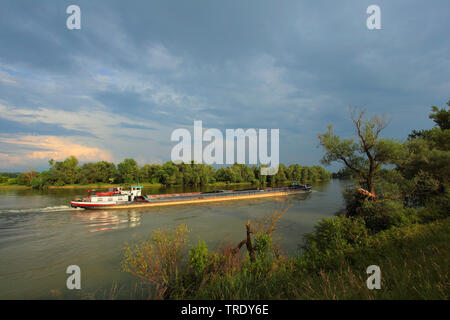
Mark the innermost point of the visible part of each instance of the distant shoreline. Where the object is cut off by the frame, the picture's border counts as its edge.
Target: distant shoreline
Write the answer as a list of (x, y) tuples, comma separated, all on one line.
[(106, 185)]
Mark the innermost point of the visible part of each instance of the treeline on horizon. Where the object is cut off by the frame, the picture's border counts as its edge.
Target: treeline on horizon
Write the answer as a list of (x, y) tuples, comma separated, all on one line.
[(70, 172)]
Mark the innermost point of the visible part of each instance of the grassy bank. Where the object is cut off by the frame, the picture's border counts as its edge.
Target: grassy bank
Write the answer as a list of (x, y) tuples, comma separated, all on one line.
[(75, 186), (107, 185), (102, 186), (414, 263), (6, 186), (144, 184)]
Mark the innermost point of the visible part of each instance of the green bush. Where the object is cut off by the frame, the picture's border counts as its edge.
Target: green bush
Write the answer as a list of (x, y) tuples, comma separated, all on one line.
[(25, 178), (353, 201), (198, 257), (327, 245), (386, 211), (263, 245), (264, 256), (337, 233), (437, 207), (384, 214), (158, 260)]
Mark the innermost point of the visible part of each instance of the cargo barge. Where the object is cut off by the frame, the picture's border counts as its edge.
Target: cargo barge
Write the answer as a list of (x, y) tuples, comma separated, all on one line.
[(119, 198)]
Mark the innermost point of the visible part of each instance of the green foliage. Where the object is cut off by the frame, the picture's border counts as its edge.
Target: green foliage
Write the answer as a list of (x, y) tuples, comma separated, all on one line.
[(128, 170), (26, 178), (429, 155), (265, 257), (441, 117), (263, 245), (343, 173), (414, 261), (69, 172), (404, 229), (158, 260), (364, 155), (198, 257), (382, 215), (415, 190), (326, 246), (5, 176)]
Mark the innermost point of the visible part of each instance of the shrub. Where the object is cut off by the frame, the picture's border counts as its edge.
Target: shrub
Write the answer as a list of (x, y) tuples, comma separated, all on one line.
[(353, 201), (437, 207), (158, 260), (264, 256), (198, 257), (327, 245), (384, 214), (337, 233), (387, 210), (263, 245)]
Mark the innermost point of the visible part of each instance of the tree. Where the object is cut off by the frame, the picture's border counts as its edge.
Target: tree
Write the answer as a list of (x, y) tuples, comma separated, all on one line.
[(25, 178), (128, 170), (441, 117), (428, 151), (106, 171), (70, 165), (364, 155)]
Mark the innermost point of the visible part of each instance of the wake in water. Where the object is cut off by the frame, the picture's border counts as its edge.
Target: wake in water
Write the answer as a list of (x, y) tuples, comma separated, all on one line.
[(46, 209), (55, 209)]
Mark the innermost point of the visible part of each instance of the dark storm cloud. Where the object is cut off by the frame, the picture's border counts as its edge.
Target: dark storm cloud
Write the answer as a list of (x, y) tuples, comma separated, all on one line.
[(15, 127)]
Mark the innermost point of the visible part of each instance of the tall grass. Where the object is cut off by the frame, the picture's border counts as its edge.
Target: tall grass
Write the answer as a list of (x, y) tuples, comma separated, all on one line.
[(414, 261), (157, 261)]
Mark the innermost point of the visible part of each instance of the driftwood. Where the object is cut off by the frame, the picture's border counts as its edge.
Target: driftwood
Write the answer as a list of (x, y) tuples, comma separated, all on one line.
[(271, 222)]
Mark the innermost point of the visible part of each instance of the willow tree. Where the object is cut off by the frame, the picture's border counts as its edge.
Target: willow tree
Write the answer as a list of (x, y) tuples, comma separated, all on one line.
[(364, 154)]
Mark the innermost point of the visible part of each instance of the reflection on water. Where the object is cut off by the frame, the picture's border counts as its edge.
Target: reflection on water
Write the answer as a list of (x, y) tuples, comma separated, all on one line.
[(40, 235), (96, 221)]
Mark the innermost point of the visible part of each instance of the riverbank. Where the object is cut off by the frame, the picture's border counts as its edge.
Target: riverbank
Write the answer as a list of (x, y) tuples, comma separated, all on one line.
[(413, 261), (107, 185), (13, 187)]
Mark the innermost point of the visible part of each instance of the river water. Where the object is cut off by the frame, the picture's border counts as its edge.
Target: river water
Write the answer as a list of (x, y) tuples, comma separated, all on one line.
[(40, 235)]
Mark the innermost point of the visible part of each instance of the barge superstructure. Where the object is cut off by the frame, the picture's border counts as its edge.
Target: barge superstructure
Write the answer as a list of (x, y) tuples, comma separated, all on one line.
[(119, 198)]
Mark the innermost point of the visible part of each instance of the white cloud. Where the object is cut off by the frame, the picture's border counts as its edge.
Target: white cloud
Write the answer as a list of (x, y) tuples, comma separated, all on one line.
[(53, 147), (98, 122), (159, 58), (6, 78)]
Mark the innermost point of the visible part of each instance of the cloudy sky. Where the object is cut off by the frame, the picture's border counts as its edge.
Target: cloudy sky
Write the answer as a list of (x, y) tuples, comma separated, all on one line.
[(137, 70)]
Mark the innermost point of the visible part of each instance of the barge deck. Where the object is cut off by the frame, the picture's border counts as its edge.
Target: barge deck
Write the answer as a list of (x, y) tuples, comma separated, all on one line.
[(136, 200)]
